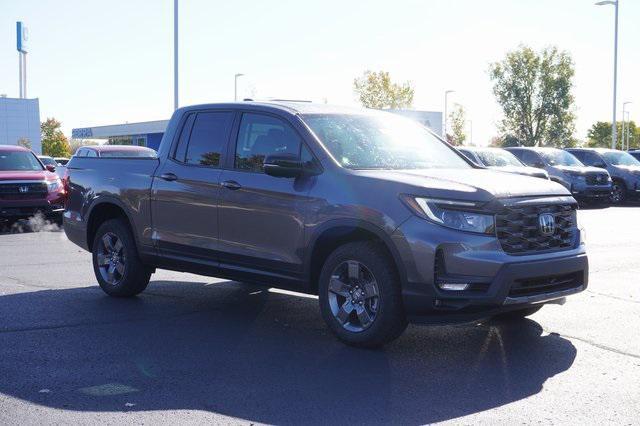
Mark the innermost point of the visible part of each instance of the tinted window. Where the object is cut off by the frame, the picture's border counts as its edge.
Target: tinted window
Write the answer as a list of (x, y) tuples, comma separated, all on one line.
[(91, 153), (589, 158), (527, 157), (557, 157), (261, 136), (127, 153), (81, 153), (208, 138), (181, 149), (48, 161)]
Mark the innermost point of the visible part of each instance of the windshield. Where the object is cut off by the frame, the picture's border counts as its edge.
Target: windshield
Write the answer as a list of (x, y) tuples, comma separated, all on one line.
[(557, 157), (18, 161), (382, 141), (129, 153), (619, 158), (498, 158), (48, 161)]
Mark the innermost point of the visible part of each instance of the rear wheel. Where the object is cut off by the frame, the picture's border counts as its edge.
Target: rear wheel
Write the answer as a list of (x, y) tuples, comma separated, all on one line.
[(116, 264), (360, 296)]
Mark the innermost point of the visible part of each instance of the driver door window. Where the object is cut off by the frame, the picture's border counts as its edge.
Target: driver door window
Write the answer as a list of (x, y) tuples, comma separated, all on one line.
[(260, 136)]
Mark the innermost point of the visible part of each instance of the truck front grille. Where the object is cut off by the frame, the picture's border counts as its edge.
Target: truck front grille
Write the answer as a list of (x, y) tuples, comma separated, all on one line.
[(23, 191), (546, 284), (518, 228), (598, 179)]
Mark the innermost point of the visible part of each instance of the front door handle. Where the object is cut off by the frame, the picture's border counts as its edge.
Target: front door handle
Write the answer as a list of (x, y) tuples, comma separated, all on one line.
[(168, 177), (231, 184)]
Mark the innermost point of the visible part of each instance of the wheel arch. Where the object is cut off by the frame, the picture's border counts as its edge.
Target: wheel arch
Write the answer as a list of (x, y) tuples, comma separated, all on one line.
[(103, 210), (338, 232)]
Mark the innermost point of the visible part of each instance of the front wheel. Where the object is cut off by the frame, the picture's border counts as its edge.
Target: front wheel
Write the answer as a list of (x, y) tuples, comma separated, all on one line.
[(618, 193), (359, 295), (116, 264)]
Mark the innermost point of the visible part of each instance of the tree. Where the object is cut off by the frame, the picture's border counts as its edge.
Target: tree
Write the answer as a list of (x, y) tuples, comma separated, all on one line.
[(458, 120), (54, 142), (534, 91), (376, 90), (24, 142), (74, 144), (599, 135)]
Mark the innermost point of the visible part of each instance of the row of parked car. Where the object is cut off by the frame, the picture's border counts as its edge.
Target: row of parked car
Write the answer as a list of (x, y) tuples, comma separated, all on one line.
[(591, 174)]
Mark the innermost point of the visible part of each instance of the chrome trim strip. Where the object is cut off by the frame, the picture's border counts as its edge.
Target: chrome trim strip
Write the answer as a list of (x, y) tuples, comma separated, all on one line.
[(540, 298)]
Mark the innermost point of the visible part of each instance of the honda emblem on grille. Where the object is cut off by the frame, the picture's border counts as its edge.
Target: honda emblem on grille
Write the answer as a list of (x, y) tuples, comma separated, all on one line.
[(599, 178), (547, 224), (23, 189)]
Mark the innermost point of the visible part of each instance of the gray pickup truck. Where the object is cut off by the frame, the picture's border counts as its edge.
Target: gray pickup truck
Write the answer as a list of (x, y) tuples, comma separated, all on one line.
[(372, 212)]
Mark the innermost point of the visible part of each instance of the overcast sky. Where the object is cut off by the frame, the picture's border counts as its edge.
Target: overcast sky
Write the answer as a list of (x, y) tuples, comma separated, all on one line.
[(105, 62)]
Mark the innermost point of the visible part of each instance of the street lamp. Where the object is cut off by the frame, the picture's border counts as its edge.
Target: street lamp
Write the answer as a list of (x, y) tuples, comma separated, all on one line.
[(444, 129), (470, 132), (175, 54), (614, 129), (235, 86), (625, 113)]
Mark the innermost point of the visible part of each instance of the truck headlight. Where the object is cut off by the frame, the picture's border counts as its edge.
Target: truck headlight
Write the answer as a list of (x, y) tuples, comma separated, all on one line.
[(452, 214), (54, 185)]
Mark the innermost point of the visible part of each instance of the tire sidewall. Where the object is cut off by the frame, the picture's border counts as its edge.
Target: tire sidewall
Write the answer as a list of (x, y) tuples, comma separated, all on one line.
[(388, 294), (122, 232)]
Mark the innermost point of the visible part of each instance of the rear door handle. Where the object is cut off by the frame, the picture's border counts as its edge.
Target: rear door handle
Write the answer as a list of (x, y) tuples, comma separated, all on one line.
[(231, 184), (168, 176)]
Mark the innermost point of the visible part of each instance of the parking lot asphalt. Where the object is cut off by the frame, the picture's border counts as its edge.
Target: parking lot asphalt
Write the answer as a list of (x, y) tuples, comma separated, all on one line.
[(194, 349)]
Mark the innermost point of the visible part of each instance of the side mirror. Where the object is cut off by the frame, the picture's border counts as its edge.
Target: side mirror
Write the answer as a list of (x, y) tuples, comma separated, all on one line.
[(50, 168), (288, 166)]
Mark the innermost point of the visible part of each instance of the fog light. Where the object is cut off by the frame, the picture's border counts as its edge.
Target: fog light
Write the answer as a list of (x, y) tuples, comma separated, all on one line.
[(453, 286)]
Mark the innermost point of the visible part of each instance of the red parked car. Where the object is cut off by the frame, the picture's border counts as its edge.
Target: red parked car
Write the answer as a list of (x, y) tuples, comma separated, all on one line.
[(27, 186)]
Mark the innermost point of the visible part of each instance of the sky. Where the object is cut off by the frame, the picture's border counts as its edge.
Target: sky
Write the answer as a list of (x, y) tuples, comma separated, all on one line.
[(97, 62)]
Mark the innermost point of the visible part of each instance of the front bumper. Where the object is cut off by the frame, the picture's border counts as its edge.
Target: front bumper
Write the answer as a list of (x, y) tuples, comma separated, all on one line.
[(499, 282), (591, 191), (24, 212)]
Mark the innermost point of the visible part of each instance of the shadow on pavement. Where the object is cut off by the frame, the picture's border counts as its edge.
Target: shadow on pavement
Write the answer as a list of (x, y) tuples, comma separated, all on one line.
[(256, 355)]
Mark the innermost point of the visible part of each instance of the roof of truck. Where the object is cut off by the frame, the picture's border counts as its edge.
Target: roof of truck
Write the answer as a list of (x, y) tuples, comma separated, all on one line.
[(293, 107)]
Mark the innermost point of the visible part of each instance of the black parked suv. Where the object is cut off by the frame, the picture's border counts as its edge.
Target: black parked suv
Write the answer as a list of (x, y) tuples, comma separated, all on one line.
[(622, 166), (585, 183), (374, 213)]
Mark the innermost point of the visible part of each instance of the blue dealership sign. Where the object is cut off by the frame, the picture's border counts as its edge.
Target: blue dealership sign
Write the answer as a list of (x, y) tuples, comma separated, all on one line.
[(22, 36), (82, 133)]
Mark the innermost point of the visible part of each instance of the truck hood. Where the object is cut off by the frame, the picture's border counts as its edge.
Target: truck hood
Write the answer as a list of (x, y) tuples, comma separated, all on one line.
[(27, 175), (521, 170), (584, 170), (467, 184), (635, 170)]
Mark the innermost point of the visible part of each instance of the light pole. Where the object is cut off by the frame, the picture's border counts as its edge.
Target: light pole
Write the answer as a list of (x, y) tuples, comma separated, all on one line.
[(614, 127), (625, 115), (175, 54), (235, 86), (446, 100), (470, 132)]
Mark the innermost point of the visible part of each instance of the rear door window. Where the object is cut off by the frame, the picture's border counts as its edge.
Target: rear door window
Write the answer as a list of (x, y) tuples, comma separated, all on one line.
[(208, 138)]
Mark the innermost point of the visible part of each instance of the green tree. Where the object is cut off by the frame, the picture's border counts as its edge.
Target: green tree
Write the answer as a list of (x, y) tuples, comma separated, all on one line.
[(534, 91), (458, 120), (24, 142), (599, 135), (54, 142), (74, 144), (376, 90)]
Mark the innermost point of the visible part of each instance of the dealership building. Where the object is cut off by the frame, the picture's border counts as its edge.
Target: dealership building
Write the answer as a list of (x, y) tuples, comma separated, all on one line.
[(20, 120), (149, 133)]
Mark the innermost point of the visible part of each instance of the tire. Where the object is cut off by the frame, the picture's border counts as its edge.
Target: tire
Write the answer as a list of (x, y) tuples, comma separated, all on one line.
[(116, 263), (618, 192), (356, 278), (520, 313)]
